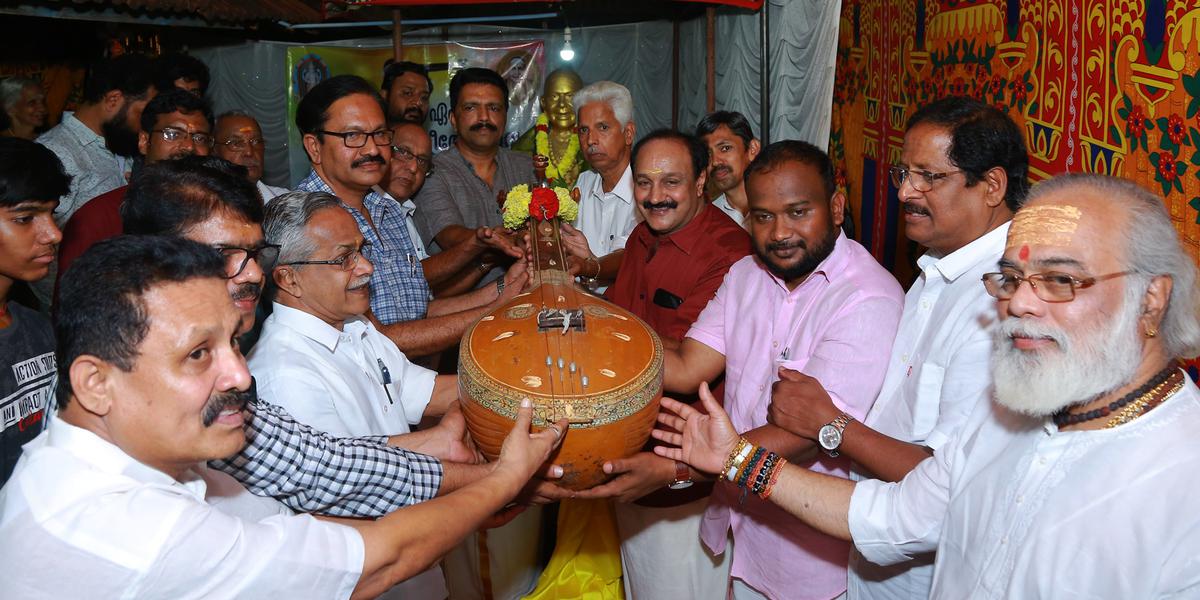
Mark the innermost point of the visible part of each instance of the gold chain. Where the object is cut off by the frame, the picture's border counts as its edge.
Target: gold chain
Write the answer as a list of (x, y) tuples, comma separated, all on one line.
[(1146, 402)]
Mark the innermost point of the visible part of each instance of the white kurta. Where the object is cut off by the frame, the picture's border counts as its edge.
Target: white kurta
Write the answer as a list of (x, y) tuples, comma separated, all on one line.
[(1018, 509), (937, 374), (81, 519)]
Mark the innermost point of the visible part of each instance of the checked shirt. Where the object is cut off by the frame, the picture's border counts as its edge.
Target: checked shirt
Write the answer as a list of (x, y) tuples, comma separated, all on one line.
[(399, 291), (311, 471)]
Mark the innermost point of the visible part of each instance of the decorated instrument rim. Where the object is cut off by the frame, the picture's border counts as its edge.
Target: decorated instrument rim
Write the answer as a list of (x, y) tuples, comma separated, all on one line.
[(592, 410)]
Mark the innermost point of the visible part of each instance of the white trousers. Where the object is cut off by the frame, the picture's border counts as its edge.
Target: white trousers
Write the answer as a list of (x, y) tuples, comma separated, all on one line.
[(512, 568), (662, 556)]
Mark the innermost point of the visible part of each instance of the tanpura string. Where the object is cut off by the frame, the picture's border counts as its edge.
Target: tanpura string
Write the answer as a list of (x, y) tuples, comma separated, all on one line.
[(535, 244)]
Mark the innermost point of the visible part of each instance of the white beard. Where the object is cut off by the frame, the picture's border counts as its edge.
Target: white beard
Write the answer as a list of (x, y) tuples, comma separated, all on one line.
[(1079, 369)]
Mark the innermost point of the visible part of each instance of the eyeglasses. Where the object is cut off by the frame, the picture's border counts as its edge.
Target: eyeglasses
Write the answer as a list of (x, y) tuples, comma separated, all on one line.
[(358, 139), (347, 262), (1051, 286), (404, 154), (236, 258), (174, 134), (922, 181), (240, 145)]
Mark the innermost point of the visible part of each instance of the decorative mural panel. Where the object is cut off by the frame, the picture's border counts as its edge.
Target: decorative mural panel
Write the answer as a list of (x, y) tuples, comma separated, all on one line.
[(1100, 86)]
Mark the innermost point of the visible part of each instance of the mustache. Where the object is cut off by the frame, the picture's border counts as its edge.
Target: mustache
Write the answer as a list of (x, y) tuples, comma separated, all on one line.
[(375, 158), (722, 170), (648, 205), (594, 149), (248, 291), (483, 125), (224, 401), (772, 246), (911, 208), (360, 282)]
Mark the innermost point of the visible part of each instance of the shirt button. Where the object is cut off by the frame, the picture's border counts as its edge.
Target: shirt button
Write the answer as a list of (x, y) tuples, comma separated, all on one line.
[(924, 305), (641, 296), (774, 344), (904, 358), (762, 387), (1020, 499), (1042, 460), (1004, 540)]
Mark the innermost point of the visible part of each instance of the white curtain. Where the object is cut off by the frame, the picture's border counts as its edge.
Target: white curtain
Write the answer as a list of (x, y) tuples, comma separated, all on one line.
[(253, 76), (803, 39)]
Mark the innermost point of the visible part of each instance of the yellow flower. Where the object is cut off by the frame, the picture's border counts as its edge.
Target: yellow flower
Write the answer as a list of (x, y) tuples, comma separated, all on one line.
[(516, 206), (568, 209)]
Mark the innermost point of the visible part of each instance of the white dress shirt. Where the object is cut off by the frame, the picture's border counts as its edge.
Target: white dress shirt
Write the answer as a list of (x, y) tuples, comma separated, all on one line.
[(1018, 509), (605, 218), (722, 202), (937, 374), (82, 519), (269, 192), (334, 381)]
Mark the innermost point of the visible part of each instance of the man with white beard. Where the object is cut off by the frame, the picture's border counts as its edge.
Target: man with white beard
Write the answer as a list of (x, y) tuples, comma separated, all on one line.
[(1076, 481)]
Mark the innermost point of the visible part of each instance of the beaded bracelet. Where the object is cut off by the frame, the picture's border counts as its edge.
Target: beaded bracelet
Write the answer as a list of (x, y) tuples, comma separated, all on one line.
[(759, 451), (733, 463), (776, 469)]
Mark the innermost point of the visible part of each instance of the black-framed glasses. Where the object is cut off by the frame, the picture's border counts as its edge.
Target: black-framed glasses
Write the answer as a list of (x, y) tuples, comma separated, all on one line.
[(406, 155), (358, 139), (174, 134), (236, 258), (1050, 286), (922, 181), (347, 261), (240, 145)]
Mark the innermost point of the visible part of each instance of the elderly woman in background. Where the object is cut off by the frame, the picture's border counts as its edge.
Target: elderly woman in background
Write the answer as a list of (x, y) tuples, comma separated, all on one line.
[(24, 107)]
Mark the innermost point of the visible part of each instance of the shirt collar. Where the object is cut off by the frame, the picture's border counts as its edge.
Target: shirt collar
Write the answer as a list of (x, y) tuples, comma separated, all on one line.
[(406, 207), (313, 183), (694, 232), (829, 269), (952, 266), (106, 457), (312, 327), (623, 190), (82, 133)]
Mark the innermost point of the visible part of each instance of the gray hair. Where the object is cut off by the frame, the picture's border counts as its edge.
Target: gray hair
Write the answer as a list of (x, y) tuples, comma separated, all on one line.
[(234, 112), (1152, 248), (11, 88), (286, 217), (615, 95)]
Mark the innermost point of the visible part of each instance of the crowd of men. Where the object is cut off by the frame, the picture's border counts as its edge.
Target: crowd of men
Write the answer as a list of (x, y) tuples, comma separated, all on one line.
[(220, 388)]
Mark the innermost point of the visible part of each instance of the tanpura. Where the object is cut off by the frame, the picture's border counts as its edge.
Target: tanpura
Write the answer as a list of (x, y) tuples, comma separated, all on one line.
[(576, 356)]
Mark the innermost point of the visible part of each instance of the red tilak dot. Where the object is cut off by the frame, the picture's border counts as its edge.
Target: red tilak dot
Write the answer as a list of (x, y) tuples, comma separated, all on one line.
[(1024, 253)]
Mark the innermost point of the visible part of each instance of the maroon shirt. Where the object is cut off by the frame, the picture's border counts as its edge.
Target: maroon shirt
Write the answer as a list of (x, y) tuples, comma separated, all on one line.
[(689, 264), (98, 219)]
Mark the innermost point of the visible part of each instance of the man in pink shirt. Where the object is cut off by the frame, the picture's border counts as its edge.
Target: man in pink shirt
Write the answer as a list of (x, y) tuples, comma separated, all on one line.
[(812, 300)]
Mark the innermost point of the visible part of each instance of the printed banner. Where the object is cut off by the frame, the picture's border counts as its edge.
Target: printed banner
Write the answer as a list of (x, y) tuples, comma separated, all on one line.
[(522, 64)]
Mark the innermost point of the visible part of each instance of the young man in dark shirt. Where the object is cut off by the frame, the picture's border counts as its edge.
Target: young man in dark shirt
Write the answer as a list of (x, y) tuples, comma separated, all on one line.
[(31, 181)]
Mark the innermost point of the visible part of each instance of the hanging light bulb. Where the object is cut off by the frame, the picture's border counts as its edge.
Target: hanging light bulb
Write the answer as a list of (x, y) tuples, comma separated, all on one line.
[(567, 53)]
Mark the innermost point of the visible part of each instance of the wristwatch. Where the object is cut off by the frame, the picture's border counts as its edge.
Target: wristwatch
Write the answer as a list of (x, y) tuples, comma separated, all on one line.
[(683, 477), (830, 436)]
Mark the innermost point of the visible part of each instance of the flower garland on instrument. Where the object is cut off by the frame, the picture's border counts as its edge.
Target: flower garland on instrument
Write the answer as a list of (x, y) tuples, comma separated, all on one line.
[(556, 170), (541, 204)]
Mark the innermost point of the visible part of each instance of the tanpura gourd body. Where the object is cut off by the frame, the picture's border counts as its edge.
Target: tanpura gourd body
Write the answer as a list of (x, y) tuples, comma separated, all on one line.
[(575, 355)]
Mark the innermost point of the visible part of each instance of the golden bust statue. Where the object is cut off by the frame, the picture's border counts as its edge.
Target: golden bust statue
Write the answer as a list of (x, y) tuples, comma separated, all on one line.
[(554, 134)]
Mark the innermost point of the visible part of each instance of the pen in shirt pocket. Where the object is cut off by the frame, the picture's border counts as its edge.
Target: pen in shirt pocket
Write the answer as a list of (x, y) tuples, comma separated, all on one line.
[(385, 376), (412, 264)]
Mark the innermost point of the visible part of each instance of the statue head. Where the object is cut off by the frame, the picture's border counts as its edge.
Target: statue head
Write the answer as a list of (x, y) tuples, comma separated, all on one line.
[(561, 85)]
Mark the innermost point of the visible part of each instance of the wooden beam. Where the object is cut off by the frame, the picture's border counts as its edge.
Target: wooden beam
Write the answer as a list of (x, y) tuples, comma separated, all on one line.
[(397, 45), (710, 57)]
